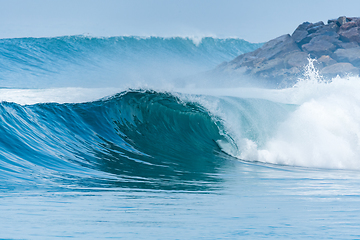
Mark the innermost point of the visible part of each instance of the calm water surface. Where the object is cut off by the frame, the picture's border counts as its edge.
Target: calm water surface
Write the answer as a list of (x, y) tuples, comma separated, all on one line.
[(250, 201)]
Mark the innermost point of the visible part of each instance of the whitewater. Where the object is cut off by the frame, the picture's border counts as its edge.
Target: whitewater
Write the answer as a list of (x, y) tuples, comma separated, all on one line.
[(127, 137)]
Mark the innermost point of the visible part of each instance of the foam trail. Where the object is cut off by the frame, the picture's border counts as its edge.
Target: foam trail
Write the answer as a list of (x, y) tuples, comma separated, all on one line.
[(58, 95)]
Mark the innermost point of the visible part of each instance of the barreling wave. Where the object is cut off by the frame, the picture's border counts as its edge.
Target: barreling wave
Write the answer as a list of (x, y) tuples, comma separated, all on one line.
[(149, 139), (133, 139)]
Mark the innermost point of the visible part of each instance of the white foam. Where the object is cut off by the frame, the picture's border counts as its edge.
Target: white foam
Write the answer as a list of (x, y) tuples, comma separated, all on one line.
[(59, 95), (323, 132)]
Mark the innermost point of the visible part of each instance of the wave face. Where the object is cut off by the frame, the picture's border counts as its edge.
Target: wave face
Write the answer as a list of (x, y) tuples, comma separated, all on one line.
[(133, 139), (162, 140), (80, 61)]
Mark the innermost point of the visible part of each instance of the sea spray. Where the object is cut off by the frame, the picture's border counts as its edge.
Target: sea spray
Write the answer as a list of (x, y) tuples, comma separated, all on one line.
[(324, 129)]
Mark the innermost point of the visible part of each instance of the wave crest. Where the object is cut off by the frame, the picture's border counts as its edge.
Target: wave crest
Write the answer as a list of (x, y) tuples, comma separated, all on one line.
[(135, 138)]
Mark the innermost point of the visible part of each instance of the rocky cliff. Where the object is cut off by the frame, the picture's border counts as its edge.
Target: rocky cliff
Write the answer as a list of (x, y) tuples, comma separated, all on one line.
[(335, 45)]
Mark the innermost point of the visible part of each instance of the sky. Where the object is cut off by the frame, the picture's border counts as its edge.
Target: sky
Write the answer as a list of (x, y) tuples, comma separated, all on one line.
[(252, 20)]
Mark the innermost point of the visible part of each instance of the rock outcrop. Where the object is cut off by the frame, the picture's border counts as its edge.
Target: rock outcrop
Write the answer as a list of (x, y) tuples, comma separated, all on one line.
[(335, 45)]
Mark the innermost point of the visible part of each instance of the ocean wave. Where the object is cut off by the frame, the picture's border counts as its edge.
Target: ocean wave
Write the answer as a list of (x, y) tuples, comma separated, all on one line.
[(169, 140), (147, 138), (135, 138), (80, 61)]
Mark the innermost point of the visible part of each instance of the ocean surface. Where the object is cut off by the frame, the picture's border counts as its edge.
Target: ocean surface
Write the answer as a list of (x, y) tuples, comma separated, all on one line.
[(126, 138)]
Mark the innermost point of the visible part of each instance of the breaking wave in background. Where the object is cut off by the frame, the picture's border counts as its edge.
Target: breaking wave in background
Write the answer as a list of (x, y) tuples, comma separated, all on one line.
[(81, 61)]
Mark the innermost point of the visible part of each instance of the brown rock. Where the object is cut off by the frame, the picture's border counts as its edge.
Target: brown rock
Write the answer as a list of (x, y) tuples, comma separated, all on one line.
[(287, 72), (301, 37), (319, 48), (348, 45), (348, 25), (296, 59), (339, 69), (351, 55), (246, 59), (328, 29), (303, 26), (270, 65), (322, 44), (351, 35), (356, 20), (341, 20), (313, 27), (277, 47), (336, 45), (325, 60)]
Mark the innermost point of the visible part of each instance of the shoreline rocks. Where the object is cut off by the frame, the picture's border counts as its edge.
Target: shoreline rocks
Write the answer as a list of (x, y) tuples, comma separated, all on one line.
[(335, 45)]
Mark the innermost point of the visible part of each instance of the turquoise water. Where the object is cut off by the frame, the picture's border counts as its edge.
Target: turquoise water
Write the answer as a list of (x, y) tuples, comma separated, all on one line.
[(181, 162), (126, 61)]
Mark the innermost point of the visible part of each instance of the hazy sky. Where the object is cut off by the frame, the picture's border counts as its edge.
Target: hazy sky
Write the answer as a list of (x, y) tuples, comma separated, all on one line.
[(252, 20)]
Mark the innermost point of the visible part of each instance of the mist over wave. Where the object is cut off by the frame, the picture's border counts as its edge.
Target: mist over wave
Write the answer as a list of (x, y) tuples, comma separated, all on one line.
[(321, 128), (127, 61)]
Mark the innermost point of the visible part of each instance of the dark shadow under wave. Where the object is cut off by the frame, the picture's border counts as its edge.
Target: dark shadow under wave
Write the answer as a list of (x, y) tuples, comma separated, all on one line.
[(138, 139)]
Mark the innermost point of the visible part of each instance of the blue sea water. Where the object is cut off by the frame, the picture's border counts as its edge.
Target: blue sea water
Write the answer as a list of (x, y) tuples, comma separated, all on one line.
[(109, 138)]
